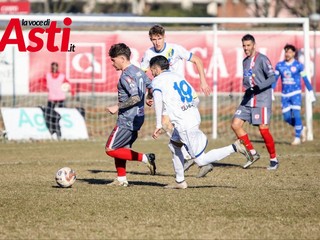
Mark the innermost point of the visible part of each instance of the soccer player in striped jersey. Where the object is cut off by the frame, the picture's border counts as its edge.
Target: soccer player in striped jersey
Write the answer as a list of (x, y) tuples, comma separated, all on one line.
[(291, 71), (176, 55), (132, 87), (173, 92), (255, 108)]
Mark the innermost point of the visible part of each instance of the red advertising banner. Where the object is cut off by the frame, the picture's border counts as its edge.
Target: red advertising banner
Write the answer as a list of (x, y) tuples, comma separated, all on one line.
[(22, 7), (89, 66)]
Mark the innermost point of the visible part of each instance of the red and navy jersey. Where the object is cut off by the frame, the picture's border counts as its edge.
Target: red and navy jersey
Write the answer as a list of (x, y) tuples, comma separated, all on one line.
[(291, 74), (133, 81), (258, 71)]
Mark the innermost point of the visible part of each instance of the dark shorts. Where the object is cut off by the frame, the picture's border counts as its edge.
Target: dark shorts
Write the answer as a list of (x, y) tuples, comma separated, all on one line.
[(254, 116), (121, 137)]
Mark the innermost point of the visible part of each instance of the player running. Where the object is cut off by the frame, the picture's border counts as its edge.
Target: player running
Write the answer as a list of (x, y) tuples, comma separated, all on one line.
[(172, 92), (176, 55), (291, 71), (132, 86)]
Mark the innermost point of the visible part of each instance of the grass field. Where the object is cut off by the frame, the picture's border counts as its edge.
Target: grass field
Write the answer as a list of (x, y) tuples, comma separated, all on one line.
[(230, 203)]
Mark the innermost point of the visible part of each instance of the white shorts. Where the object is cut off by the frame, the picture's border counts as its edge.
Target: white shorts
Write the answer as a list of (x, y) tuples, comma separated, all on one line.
[(194, 140)]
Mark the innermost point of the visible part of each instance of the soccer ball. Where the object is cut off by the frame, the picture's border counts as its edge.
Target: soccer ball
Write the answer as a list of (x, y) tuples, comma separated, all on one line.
[(65, 177)]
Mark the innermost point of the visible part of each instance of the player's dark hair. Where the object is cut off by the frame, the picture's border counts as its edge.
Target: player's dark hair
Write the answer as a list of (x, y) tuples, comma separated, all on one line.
[(157, 30), (54, 64), (160, 61), (289, 47), (248, 37), (119, 49)]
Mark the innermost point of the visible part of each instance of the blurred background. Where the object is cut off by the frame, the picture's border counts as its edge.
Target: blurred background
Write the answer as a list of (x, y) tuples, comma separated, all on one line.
[(94, 80)]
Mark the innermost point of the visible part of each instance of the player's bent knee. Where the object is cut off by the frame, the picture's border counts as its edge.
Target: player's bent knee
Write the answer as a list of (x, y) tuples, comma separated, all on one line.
[(108, 150), (174, 145)]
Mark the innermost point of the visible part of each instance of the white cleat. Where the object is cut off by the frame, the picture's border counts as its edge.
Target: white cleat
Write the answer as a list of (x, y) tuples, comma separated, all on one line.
[(176, 185), (296, 141)]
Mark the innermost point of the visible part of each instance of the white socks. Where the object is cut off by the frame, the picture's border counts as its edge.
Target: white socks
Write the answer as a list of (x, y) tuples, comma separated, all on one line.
[(214, 155)]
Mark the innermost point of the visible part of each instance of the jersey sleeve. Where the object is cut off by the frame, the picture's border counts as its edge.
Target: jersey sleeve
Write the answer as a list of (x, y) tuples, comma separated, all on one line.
[(276, 75), (268, 72), (158, 102), (304, 76), (183, 53), (145, 61)]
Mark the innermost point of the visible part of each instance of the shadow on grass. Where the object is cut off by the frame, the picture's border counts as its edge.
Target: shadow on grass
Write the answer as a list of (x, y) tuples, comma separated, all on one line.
[(129, 172), (226, 165), (276, 142), (106, 181), (211, 186)]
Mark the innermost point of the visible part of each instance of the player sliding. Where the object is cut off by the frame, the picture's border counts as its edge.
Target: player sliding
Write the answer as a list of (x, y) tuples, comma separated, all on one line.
[(172, 92)]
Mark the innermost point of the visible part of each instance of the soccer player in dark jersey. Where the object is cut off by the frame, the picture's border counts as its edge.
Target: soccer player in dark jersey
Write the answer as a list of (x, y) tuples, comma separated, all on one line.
[(255, 108), (291, 71), (132, 87)]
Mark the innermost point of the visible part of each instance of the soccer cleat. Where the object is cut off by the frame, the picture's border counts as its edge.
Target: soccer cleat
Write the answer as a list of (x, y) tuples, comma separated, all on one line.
[(118, 183), (188, 164), (296, 141), (255, 157), (241, 148), (203, 170), (273, 165), (304, 134), (151, 163), (176, 185)]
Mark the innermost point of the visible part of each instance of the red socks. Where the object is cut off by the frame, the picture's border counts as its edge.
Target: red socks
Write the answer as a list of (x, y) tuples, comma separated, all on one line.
[(268, 139), (120, 166), (125, 154), (246, 141)]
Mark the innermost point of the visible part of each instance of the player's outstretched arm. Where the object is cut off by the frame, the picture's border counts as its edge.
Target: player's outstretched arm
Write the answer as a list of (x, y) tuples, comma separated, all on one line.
[(203, 82)]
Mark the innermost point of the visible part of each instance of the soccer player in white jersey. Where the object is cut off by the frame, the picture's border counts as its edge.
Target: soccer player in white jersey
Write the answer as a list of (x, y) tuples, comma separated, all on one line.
[(172, 92), (176, 55)]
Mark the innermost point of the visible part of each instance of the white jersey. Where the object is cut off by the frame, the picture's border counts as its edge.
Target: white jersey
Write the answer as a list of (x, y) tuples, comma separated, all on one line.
[(173, 52), (172, 92)]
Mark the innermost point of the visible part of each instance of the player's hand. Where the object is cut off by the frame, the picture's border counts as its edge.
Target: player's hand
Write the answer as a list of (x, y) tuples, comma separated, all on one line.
[(157, 133), (312, 96), (251, 90), (112, 109), (149, 102), (205, 88)]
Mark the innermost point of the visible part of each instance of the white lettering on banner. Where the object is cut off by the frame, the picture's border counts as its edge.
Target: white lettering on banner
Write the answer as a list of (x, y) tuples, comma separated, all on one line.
[(89, 59), (29, 123), (229, 56), (72, 124), (221, 65)]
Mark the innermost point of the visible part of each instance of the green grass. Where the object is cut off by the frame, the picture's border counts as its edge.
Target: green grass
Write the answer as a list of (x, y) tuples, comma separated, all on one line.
[(230, 203)]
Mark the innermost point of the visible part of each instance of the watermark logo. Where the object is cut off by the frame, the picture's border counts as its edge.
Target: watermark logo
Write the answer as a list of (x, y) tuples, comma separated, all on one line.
[(41, 28)]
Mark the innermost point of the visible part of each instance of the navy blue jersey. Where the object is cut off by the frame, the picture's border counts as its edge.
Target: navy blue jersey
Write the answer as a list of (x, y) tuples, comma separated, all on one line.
[(133, 81)]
